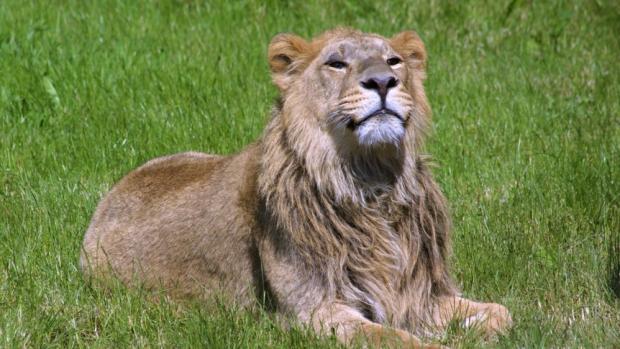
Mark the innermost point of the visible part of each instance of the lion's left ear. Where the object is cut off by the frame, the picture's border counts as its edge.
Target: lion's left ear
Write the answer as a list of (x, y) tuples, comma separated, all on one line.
[(285, 53), (411, 47)]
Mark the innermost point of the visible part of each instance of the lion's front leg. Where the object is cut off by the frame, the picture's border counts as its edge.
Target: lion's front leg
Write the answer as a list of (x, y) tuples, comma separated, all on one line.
[(300, 292), (491, 318), (348, 324)]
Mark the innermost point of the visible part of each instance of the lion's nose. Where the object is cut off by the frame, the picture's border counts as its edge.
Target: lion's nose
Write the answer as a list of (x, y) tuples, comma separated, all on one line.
[(381, 83)]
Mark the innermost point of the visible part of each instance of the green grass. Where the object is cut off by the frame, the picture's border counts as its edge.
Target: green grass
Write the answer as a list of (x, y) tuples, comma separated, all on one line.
[(526, 99)]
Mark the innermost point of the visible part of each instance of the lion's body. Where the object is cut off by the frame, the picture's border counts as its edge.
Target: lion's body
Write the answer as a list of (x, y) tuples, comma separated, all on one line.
[(156, 226), (340, 227), (174, 224)]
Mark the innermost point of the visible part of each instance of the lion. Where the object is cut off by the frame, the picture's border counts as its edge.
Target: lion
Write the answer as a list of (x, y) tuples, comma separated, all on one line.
[(332, 216)]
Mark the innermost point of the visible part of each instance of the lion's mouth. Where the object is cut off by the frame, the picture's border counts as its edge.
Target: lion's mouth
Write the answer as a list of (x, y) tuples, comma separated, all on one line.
[(379, 112)]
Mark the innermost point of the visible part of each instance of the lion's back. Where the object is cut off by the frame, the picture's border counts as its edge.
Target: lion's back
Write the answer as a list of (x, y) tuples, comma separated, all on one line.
[(157, 224)]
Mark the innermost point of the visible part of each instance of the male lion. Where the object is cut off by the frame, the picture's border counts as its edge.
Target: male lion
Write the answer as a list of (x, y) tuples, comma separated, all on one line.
[(332, 215)]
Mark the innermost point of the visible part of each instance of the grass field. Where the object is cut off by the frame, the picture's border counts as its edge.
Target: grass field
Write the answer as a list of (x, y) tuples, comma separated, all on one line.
[(526, 100)]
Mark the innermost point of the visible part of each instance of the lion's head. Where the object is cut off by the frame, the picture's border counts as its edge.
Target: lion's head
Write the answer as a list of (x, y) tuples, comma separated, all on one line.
[(363, 90)]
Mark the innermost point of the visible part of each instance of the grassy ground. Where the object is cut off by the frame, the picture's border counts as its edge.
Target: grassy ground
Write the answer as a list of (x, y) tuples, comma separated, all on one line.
[(526, 129)]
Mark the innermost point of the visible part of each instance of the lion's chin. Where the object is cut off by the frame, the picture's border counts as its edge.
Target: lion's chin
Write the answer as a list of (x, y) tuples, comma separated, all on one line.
[(380, 130)]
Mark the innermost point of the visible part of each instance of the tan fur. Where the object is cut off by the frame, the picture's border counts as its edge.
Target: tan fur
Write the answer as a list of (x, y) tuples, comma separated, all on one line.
[(340, 235)]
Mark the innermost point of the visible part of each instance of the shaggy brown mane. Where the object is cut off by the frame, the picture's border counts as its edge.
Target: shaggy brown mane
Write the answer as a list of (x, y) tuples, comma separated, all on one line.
[(360, 239)]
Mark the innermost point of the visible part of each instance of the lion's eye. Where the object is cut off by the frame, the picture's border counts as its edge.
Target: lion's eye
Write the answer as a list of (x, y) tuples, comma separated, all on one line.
[(394, 61), (337, 64)]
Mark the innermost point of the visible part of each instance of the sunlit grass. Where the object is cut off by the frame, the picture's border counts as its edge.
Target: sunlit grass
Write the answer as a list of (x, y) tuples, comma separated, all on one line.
[(526, 131)]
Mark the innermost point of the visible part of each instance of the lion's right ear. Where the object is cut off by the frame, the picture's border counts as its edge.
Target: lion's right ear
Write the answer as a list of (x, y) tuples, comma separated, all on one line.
[(409, 44), (286, 52)]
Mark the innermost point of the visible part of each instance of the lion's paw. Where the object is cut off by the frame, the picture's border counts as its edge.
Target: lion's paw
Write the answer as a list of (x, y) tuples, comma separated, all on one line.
[(492, 319)]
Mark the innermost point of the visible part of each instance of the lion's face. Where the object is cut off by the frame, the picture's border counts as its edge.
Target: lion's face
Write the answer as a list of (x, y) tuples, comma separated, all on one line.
[(359, 87), (363, 94)]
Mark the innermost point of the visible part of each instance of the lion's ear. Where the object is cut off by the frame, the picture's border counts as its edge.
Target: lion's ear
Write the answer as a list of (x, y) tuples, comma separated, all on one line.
[(285, 52), (409, 44)]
